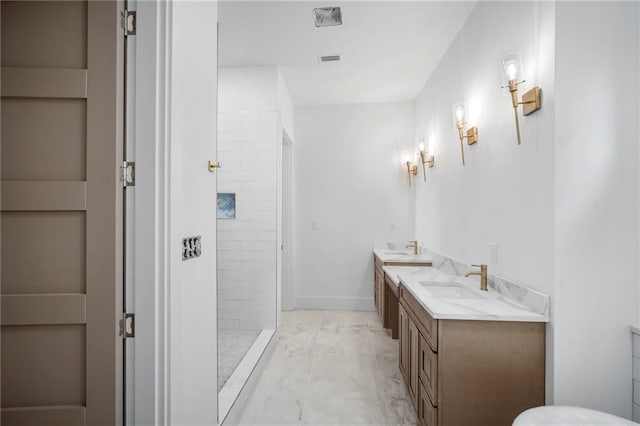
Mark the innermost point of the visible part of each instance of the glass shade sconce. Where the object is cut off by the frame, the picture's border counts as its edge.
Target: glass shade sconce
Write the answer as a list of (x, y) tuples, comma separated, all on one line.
[(412, 168), (531, 100), (425, 159), (459, 116)]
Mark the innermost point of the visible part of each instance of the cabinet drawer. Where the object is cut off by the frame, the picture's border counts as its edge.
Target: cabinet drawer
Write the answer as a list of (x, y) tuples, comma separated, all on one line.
[(428, 326), (427, 413), (428, 368)]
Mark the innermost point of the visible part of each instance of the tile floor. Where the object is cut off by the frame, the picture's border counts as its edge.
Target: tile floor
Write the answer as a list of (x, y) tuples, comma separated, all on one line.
[(232, 345), (331, 368)]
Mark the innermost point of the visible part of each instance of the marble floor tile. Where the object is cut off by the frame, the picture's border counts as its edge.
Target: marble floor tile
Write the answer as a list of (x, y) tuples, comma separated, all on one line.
[(331, 368)]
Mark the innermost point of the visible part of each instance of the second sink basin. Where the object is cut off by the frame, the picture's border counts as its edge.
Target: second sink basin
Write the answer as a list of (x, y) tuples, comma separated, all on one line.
[(446, 290), (396, 252)]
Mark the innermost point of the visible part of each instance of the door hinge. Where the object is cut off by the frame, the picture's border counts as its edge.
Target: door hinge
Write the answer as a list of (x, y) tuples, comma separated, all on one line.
[(128, 173), (128, 325), (128, 22)]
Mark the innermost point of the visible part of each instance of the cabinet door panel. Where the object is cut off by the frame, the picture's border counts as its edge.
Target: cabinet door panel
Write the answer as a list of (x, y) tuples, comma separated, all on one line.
[(403, 331), (428, 365), (413, 340), (375, 287), (427, 413)]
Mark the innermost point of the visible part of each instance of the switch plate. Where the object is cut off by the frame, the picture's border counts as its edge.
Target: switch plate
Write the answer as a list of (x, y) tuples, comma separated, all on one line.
[(394, 226), (191, 247), (314, 225)]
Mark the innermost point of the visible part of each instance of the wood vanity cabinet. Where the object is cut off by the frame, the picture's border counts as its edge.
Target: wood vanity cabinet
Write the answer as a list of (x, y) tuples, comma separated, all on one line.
[(463, 372), (379, 289), (391, 306), (385, 294)]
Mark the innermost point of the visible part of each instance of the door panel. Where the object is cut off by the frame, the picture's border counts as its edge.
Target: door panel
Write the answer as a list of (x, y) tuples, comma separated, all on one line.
[(413, 360), (50, 130), (61, 212), (403, 342)]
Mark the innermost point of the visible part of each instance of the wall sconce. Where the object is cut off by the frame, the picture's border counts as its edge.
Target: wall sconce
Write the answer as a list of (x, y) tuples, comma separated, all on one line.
[(531, 101), (424, 159), (459, 113), (412, 168)]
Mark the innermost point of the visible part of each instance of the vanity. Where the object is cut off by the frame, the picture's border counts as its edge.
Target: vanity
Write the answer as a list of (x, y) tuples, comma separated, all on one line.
[(468, 357), (385, 290)]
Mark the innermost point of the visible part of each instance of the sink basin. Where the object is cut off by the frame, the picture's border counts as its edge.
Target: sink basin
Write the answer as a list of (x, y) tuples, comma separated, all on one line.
[(446, 290)]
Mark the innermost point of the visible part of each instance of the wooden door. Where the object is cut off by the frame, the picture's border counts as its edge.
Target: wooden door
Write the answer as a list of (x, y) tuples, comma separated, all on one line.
[(61, 217)]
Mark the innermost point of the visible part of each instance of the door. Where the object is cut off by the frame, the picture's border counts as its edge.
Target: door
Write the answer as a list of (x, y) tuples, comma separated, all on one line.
[(61, 213)]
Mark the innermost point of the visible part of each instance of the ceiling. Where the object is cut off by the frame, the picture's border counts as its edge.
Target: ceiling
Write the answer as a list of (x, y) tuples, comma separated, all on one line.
[(389, 48)]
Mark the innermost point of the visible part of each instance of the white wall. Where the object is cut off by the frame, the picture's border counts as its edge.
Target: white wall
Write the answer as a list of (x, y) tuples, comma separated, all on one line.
[(504, 194), (192, 291), (348, 179), (256, 108), (286, 106), (596, 199), (255, 89), (247, 245), (248, 89), (563, 206)]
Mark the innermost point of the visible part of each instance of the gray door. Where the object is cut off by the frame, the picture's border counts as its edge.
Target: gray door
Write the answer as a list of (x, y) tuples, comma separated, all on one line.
[(61, 219)]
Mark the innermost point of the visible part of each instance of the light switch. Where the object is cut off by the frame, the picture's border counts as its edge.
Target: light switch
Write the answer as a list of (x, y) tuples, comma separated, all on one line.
[(394, 226), (314, 226)]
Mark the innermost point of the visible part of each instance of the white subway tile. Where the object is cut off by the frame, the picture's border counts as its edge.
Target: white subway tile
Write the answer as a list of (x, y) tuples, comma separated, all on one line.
[(225, 324)]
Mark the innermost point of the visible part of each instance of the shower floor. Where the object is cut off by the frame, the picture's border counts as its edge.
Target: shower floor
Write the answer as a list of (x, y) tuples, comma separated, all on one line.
[(232, 346)]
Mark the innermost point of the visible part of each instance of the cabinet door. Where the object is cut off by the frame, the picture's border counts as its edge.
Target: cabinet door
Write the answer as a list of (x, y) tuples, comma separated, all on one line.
[(403, 329), (381, 301), (375, 286), (413, 339), (428, 366), (427, 413)]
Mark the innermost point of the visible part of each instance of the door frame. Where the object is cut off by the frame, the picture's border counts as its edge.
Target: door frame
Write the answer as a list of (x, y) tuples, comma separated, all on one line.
[(163, 387), (147, 368), (288, 289)]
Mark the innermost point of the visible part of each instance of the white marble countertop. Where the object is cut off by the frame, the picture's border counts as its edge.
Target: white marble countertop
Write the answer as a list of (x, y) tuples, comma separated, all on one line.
[(404, 256), (393, 271), (456, 297), (560, 416)]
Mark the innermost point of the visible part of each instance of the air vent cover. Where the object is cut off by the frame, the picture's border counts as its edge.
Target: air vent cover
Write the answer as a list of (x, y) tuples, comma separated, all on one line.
[(328, 16), (330, 58)]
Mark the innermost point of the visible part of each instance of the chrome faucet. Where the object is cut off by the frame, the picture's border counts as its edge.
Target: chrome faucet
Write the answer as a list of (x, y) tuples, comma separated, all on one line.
[(483, 275), (415, 246)]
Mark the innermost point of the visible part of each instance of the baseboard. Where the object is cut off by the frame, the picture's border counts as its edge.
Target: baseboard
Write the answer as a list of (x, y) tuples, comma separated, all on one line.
[(336, 303), (236, 410)]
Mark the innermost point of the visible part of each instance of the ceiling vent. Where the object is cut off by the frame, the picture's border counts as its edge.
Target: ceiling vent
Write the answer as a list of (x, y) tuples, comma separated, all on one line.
[(328, 16), (330, 58)]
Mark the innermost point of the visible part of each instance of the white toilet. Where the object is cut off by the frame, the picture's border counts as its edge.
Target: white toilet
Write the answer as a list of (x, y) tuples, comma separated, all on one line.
[(553, 415)]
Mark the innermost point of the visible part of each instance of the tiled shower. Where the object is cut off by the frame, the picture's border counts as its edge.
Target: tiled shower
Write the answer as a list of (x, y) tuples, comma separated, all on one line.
[(247, 244)]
